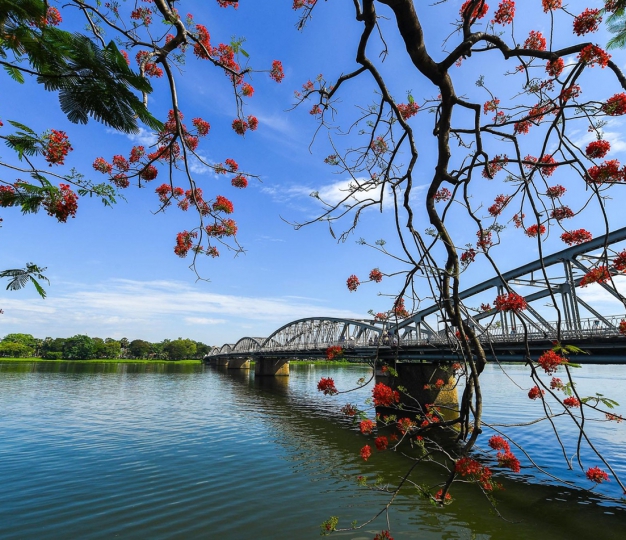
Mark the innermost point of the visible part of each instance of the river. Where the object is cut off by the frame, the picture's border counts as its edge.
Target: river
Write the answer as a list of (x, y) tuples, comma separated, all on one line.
[(159, 451)]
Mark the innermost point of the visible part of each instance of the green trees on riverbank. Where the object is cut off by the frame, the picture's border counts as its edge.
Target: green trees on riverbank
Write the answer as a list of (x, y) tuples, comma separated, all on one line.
[(82, 347)]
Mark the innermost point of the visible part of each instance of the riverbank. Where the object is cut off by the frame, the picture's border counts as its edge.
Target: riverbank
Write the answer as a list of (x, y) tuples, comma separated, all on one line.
[(160, 361)]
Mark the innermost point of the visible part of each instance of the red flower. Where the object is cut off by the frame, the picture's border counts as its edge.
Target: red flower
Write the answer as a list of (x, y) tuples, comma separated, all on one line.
[(366, 452), (592, 55), (240, 126), (239, 181), (551, 5), (555, 67), (535, 392), (184, 242), (499, 203), (556, 383), (555, 192), (222, 204), (478, 11), (550, 361), (443, 194), (468, 467), (484, 241), (384, 396), (382, 535), (57, 147), (597, 475), (404, 425), (101, 165), (407, 110), (571, 402), (507, 459), (607, 172), (327, 385), (499, 443), (202, 48), (349, 410), (587, 21), (564, 212), (149, 173), (534, 230), (253, 122), (574, 238), (62, 204), (439, 496), (202, 126), (616, 105), (53, 17), (619, 263), (334, 352), (491, 105), (597, 149), (510, 302), (536, 41), (353, 283), (468, 257), (366, 426), (505, 13), (247, 90), (485, 307), (376, 275), (381, 443), (597, 275), (379, 146), (622, 327), (277, 73)]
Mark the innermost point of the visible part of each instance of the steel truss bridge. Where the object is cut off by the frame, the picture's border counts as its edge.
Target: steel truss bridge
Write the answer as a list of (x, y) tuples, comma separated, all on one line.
[(419, 338)]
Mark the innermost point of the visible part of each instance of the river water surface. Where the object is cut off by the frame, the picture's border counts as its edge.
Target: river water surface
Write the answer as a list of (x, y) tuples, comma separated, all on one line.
[(96, 451)]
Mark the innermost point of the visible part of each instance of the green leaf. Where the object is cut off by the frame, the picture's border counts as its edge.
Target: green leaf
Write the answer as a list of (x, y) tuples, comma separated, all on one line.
[(15, 74), (22, 127)]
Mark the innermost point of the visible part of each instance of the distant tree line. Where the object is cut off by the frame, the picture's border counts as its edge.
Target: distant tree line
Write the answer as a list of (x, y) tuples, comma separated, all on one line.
[(81, 347)]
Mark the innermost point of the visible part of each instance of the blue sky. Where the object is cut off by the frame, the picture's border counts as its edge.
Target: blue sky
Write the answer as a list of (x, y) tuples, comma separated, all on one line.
[(113, 271)]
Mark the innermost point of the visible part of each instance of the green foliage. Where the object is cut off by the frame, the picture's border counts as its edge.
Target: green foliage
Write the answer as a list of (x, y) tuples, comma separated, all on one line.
[(52, 355), (179, 349), (329, 525), (24, 339), (139, 348), (79, 347), (616, 24), (21, 276), (15, 350), (92, 81)]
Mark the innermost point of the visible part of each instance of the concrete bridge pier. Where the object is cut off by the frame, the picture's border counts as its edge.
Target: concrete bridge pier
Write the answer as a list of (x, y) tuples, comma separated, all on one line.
[(273, 367), (239, 363), (414, 378), (221, 362)]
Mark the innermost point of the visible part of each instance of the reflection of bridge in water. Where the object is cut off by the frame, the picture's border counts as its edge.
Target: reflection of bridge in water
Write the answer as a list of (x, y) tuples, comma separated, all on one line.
[(419, 338)]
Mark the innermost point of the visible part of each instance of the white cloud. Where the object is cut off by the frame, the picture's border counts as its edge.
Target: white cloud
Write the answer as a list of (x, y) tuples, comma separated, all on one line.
[(142, 137), (204, 320)]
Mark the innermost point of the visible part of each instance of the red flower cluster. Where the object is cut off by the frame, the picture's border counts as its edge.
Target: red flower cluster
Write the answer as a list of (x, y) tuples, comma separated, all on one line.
[(485, 307), (509, 461), (574, 238), (468, 256), (495, 166), (382, 535), (57, 147), (478, 11), (587, 21), (510, 302), (505, 13), (327, 385), (228, 227), (535, 392), (550, 361), (53, 17), (468, 467), (555, 67), (592, 55), (619, 263), (142, 14), (366, 452), (535, 230), (63, 204), (276, 73), (222, 204), (384, 396), (239, 181), (597, 275), (334, 352), (554, 192), (551, 5), (149, 68), (571, 402), (379, 146), (202, 48), (536, 41), (404, 425), (353, 283), (484, 241), (241, 126), (556, 384), (349, 410), (407, 110), (184, 242), (607, 172), (366, 426), (381, 443), (616, 105), (439, 497), (491, 105), (597, 475), (443, 194), (561, 213), (498, 443), (499, 203), (597, 149)]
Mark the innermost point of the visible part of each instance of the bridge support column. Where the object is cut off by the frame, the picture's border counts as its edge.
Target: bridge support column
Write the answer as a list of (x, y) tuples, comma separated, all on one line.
[(414, 377), (273, 367), (239, 363), (221, 362)]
